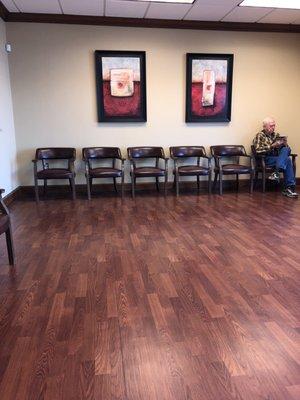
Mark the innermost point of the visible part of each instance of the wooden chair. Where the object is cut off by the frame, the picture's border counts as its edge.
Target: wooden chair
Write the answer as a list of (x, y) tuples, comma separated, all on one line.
[(90, 154), (261, 167), (142, 153), (5, 227), (234, 152), (46, 155), (182, 153)]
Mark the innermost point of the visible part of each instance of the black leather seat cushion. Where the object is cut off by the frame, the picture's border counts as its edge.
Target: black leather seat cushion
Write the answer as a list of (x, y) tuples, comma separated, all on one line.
[(105, 172), (54, 173), (149, 171), (4, 223), (192, 170), (235, 169)]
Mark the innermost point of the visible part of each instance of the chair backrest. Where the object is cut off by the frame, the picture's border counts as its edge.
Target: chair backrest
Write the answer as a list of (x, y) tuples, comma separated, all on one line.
[(101, 152), (187, 151), (228, 150), (145, 152), (55, 153)]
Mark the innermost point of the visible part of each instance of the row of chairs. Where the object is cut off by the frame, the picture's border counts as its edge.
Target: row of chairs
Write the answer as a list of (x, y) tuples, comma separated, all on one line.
[(158, 170)]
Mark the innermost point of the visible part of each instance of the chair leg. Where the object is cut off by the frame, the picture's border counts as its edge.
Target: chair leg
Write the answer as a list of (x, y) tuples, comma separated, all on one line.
[(122, 185), (215, 180), (165, 184), (177, 184), (115, 185), (10, 246), (251, 182), (45, 187), (256, 179), (36, 189), (237, 182), (198, 183), (174, 181), (209, 183), (264, 181), (157, 184), (88, 187), (72, 183), (133, 186), (220, 183)]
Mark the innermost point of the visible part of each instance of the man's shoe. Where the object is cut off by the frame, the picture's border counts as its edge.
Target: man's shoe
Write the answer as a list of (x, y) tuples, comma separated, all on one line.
[(290, 192), (274, 177)]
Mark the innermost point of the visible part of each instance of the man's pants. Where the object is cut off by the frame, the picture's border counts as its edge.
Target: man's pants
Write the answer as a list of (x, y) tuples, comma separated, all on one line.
[(283, 162)]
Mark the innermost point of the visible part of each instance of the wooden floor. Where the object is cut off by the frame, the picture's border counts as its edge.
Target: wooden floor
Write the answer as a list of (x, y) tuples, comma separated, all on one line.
[(153, 299)]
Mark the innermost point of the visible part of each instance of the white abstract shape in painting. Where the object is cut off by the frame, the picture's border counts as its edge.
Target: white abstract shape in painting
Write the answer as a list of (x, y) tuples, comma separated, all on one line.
[(209, 85), (218, 66), (109, 63), (121, 82)]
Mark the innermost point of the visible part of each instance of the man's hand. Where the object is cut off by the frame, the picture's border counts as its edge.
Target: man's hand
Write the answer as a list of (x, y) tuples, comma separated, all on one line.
[(276, 144)]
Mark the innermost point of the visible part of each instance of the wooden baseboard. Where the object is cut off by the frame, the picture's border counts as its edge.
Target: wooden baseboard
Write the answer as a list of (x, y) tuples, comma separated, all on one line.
[(12, 196), (63, 191)]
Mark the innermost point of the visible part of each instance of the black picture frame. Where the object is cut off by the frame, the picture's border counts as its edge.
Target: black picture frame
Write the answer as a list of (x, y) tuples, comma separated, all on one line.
[(142, 111), (213, 114)]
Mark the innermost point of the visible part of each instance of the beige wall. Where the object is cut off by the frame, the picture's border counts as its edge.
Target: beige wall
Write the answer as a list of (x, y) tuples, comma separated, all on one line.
[(8, 176), (53, 83)]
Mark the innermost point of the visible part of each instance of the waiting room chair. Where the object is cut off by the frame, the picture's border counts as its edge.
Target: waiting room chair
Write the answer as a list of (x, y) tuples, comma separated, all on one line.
[(5, 227), (234, 153), (188, 152), (261, 167), (91, 154), (141, 153), (46, 155)]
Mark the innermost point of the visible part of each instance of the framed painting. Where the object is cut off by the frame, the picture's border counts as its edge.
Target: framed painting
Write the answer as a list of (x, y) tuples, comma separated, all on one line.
[(121, 86), (208, 87)]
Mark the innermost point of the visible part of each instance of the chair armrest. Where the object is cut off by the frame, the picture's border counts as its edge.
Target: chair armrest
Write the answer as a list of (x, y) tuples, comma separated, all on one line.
[(71, 162), (86, 165), (35, 160), (294, 155), (3, 207), (251, 160)]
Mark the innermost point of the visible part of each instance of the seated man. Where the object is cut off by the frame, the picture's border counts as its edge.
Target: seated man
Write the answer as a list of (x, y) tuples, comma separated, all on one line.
[(277, 153)]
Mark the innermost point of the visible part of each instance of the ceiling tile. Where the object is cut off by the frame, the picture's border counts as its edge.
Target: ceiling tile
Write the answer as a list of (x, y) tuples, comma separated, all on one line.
[(39, 6), (281, 17), (125, 9), (246, 14), (220, 3), (201, 12), (167, 10), (9, 4), (79, 7)]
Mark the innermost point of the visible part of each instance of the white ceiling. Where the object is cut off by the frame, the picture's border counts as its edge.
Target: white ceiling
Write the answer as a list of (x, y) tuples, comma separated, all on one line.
[(201, 10)]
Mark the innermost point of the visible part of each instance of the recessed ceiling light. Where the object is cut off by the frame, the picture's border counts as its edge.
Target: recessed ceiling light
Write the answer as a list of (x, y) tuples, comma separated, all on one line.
[(170, 1), (292, 4)]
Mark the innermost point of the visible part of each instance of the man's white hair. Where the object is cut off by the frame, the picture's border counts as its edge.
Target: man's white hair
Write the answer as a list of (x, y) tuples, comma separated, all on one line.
[(268, 120)]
